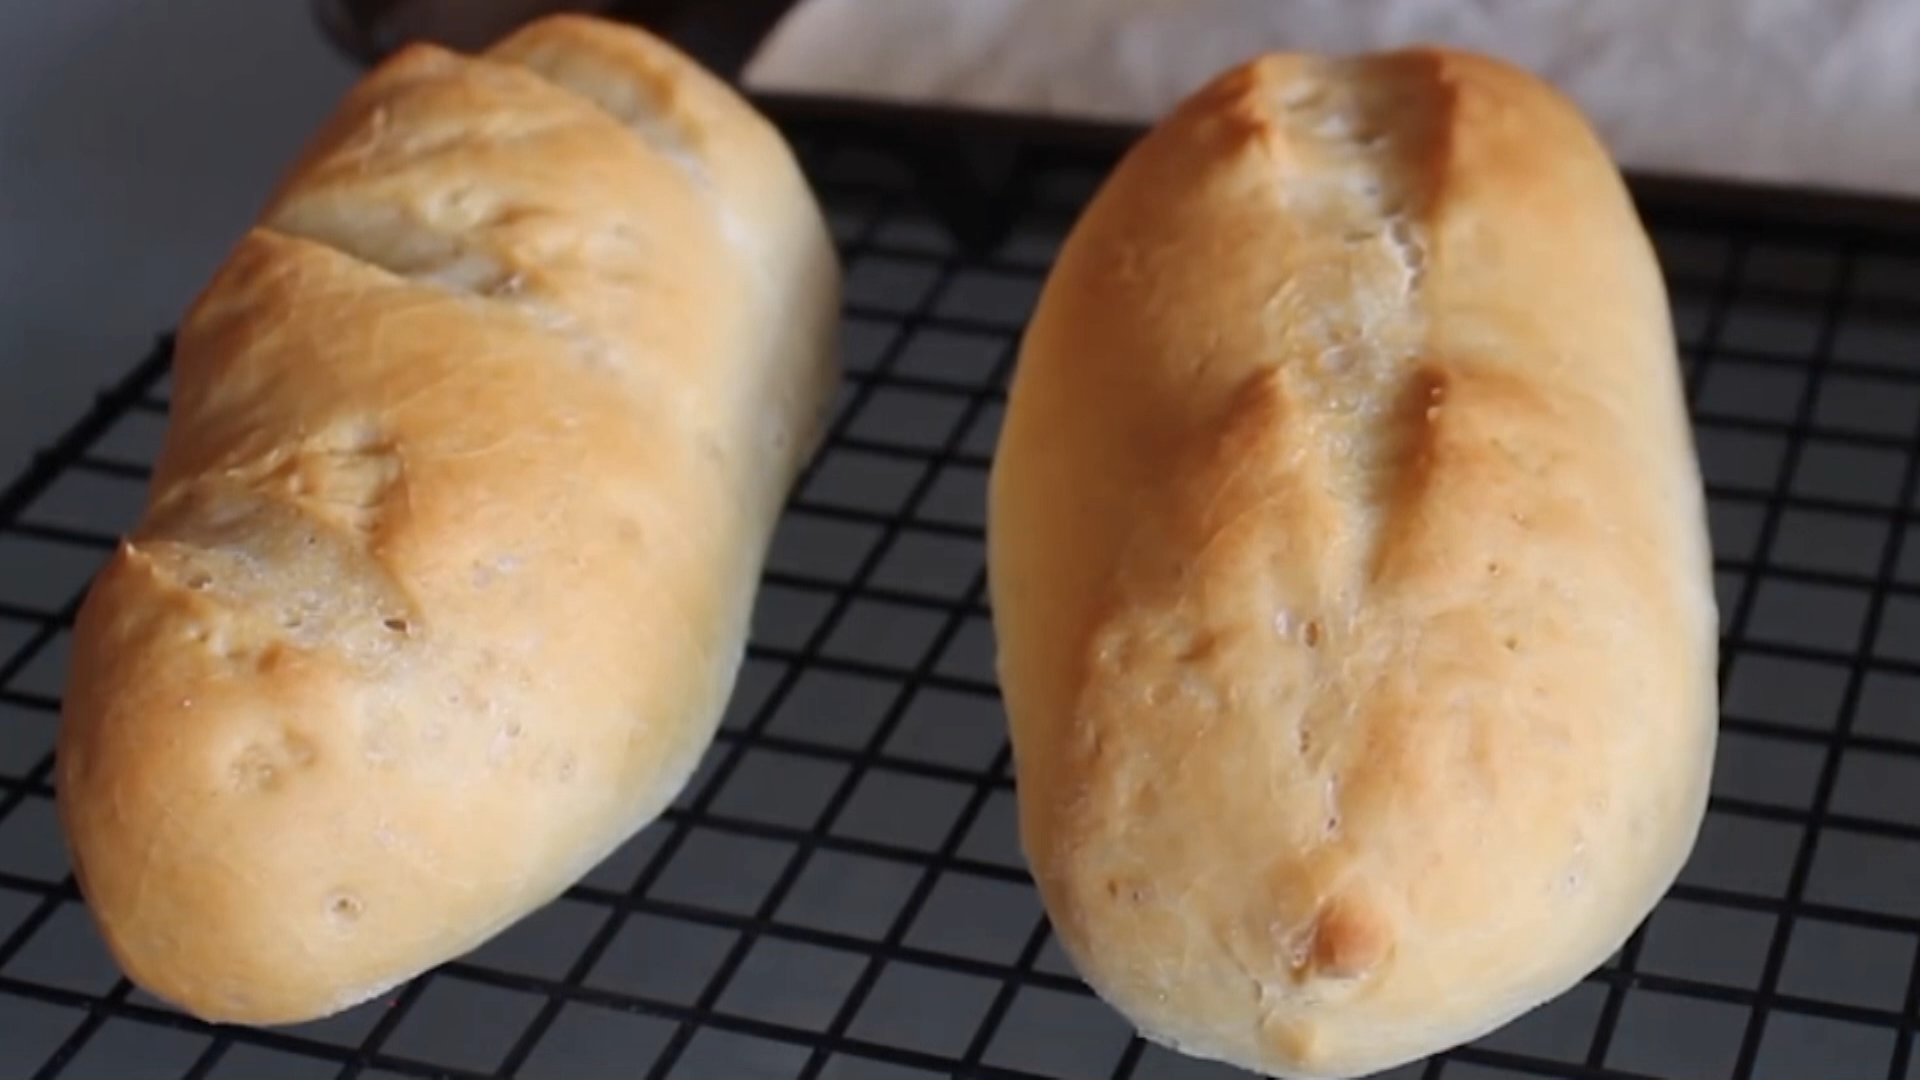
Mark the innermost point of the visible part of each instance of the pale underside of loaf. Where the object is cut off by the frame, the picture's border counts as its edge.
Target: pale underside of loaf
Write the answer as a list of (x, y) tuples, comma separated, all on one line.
[(1350, 569), (476, 445)]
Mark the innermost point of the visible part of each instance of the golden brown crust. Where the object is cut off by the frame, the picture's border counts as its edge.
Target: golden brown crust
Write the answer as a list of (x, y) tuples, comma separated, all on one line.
[(476, 446), (1349, 567)]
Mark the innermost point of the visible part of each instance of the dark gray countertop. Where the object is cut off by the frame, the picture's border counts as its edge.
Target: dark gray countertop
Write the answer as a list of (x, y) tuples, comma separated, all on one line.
[(136, 140)]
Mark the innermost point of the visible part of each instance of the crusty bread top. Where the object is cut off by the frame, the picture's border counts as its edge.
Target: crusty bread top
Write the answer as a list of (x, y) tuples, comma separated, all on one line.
[(1350, 568), (475, 447)]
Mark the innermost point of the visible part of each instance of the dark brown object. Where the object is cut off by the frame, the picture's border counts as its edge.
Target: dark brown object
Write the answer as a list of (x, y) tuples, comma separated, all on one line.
[(721, 34)]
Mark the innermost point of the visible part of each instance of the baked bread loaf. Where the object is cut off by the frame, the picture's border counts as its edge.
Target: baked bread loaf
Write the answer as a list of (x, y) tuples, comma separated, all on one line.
[(1350, 570), (477, 444)]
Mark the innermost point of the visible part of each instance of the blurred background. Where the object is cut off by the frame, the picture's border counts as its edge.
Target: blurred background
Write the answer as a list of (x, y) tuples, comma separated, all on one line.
[(137, 140)]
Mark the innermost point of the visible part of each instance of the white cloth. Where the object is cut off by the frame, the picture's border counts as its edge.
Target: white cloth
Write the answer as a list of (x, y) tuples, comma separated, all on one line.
[(1820, 93)]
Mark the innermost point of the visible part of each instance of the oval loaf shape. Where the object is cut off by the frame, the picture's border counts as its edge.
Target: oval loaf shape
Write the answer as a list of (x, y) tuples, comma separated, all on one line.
[(1349, 567), (477, 442)]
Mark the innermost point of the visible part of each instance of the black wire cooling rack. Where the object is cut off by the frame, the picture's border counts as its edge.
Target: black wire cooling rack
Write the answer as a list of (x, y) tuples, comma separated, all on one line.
[(839, 894)]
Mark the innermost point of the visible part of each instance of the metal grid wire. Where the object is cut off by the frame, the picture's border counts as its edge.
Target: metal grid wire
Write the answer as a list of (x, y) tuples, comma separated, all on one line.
[(839, 894)]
